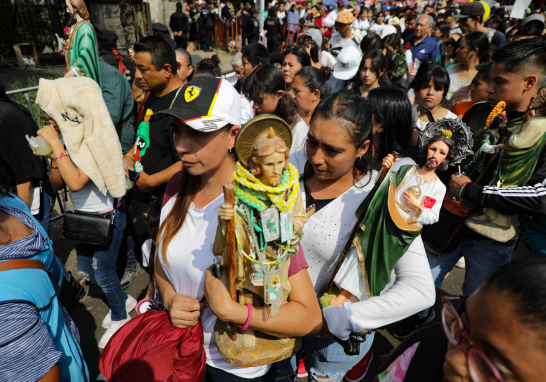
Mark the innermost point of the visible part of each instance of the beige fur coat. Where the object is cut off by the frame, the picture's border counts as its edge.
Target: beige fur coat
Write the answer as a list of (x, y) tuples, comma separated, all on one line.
[(77, 106)]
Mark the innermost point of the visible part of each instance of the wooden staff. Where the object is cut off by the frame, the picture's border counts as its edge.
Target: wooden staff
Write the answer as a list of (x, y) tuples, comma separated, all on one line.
[(229, 197), (365, 204)]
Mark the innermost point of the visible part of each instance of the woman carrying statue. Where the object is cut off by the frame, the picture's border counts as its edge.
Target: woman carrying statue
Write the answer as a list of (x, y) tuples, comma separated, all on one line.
[(81, 50), (205, 141), (336, 180)]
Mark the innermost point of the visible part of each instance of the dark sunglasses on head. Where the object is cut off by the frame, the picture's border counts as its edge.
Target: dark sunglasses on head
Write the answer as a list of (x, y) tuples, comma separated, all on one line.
[(291, 48)]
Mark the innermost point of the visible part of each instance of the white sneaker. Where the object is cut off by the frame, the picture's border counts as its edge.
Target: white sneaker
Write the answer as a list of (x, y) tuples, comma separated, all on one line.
[(114, 327), (130, 304), (461, 263)]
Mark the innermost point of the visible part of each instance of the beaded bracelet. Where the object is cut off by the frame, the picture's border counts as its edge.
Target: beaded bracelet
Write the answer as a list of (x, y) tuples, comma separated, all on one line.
[(247, 323), (61, 155), (461, 191)]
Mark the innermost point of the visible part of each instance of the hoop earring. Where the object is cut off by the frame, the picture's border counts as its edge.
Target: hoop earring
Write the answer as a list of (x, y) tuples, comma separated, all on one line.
[(359, 158), (230, 149)]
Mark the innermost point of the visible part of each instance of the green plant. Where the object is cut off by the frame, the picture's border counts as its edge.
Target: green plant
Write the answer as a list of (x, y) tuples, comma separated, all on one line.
[(39, 114)]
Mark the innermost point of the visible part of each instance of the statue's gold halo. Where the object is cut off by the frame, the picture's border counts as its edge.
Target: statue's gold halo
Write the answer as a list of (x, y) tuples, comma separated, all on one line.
[(256, 127)]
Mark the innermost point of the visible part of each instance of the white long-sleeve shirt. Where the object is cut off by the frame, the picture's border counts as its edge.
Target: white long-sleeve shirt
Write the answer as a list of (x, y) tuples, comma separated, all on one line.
[(330, 19), (411, 290)]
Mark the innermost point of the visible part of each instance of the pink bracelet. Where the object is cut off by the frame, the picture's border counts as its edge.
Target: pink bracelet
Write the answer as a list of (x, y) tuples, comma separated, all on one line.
[(61, 155), (142, 303), (247, 323)]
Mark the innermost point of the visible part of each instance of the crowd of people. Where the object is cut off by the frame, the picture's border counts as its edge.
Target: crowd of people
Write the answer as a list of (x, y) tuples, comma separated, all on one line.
[(447, 103)]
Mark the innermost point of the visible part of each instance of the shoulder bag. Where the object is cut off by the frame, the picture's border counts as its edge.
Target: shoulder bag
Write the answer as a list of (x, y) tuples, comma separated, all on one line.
[(89, 228)]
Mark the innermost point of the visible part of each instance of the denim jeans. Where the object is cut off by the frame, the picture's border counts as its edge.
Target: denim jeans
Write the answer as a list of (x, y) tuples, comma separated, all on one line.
[(326, 360), (482, 257), (47, 202), (97, 263), (218, 375)]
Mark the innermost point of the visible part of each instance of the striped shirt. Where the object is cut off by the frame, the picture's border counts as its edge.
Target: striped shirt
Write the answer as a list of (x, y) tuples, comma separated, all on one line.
[(26, 349)]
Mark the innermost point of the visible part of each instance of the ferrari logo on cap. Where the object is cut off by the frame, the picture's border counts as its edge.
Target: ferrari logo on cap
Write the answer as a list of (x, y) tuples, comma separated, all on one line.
[(191, 93)]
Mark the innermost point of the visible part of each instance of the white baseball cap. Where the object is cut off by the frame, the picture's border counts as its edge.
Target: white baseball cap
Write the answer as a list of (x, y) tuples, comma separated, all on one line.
[(347, 63), (206, 104), (535, 17)]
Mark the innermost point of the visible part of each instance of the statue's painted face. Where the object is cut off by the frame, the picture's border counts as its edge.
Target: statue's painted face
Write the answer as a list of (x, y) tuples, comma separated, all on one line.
[(272, 167), (70, 9), (540, 99), (436, 154)]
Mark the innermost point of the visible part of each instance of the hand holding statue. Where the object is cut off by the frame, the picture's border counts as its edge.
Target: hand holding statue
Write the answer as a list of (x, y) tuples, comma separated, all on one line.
[(388, 161)]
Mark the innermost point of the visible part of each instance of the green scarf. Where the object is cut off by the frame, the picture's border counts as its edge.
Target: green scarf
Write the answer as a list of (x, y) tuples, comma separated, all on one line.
[(517, 166), (383, 243)]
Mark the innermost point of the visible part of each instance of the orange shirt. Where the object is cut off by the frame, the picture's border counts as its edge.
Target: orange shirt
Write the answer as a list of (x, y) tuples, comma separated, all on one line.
[(462, 107)]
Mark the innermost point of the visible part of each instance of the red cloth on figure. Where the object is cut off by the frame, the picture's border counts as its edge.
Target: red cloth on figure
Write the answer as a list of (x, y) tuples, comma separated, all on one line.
[(148, 348), (121, 66)]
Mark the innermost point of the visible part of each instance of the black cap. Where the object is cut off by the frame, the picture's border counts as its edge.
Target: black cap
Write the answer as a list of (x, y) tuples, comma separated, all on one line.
[(450, 12), (109, 40), (273, 10), (473, 9)]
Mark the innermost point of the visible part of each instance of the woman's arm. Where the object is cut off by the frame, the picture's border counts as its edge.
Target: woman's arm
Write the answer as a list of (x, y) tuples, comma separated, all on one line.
[(55, 176), (413, 291), (74, 178), (183, 310), (299, 317)]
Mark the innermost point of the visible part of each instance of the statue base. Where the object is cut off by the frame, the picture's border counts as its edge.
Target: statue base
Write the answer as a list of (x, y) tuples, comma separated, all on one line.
[(267, 349)]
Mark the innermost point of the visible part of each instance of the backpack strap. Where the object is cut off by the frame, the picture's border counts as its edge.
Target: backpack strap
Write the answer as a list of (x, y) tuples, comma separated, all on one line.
[(22, 264)]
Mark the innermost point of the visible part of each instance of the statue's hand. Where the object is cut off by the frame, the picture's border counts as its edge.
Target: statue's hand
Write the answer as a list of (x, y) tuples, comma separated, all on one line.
[(226, 212), (388, 161), (411, 201)]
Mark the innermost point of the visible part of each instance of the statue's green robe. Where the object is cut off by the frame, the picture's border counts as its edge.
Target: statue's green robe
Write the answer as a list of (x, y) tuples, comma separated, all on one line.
[(82, 53), (380, 243)]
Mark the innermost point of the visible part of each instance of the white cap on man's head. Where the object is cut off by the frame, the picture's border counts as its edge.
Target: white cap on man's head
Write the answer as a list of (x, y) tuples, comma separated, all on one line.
[(535, 17), (347, 63), (206, 104)]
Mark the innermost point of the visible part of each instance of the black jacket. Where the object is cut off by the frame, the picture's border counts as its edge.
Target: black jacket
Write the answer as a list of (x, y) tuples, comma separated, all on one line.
[(207, 16), (273, 27), (179, 22), (252, 28)]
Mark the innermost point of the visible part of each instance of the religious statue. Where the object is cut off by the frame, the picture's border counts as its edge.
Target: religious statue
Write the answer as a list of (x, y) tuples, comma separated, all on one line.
[(518, 159), (496, 122), (269, 217), (81, 54), (405, 201)]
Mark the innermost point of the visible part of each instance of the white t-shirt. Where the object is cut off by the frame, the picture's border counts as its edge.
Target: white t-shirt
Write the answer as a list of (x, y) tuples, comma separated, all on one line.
[(90, 199), (377, 29), (423, 125), (299, 136), (455, 83), (189, 255), (361, 26), (339, 42)]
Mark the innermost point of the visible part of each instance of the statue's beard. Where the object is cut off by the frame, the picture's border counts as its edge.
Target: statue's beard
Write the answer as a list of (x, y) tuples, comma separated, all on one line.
[(274, 180), (431, 164)]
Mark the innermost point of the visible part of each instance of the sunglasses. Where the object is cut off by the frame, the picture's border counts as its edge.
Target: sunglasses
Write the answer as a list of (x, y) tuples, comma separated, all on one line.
[(480, 367), (291, 48), (450, 43)]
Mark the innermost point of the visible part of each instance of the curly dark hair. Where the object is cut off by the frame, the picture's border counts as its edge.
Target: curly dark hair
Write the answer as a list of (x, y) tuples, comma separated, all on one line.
[(441, 166)]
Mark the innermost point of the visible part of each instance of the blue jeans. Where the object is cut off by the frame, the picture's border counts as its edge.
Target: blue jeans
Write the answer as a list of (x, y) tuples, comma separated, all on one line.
[(97, 263), (47, 202), (326, 361), (482, 257)]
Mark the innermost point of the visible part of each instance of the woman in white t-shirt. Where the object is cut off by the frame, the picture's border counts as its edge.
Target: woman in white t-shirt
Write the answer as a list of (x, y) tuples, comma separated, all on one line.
[(379, 25), (189, 221), (337, 178), (266, 87), (471, 47), (430, 90)]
